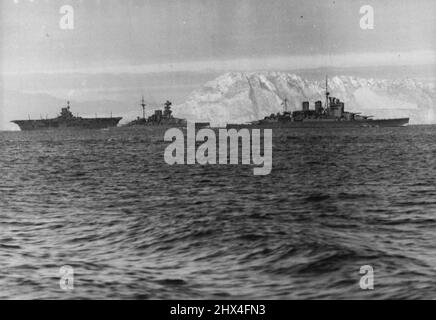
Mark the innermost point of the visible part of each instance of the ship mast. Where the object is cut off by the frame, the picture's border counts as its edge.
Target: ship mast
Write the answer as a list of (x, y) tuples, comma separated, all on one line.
[(327, 93), (285, 105), (143, 107)]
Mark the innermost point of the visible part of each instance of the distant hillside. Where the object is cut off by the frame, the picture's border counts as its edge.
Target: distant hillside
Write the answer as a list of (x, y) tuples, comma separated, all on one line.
[(240, 97)]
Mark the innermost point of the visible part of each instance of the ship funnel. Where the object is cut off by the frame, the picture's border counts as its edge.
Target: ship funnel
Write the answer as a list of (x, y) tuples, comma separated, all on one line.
[(318, 107)]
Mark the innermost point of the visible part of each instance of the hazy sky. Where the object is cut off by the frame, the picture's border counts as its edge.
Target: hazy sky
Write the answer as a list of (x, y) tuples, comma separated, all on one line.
[(166, 35), (164, 49)]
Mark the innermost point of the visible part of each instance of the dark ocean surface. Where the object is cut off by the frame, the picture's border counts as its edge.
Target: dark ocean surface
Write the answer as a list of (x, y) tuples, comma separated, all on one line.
[(105, 203)]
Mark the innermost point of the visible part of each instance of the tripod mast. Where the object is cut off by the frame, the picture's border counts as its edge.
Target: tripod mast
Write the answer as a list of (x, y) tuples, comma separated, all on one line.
[(327, 93), (143, 107), (285, 105)]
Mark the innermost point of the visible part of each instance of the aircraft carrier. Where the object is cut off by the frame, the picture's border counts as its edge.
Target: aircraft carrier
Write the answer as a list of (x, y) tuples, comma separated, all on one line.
[(66, 120)]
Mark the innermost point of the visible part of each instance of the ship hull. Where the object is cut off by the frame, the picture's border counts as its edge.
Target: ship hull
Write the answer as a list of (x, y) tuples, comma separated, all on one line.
[(54, 124), (325, 124), (198, 125)]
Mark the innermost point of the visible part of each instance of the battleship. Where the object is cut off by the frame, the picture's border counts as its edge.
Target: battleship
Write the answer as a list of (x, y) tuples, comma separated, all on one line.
[(331, 115), (66, 120), (161, 118)]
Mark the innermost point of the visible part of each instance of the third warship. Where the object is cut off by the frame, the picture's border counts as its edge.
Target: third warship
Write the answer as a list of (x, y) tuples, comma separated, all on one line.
[(331, 115)]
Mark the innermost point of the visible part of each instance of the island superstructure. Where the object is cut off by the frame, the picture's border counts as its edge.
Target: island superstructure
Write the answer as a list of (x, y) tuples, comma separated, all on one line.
[(331, 115), (66, 120)]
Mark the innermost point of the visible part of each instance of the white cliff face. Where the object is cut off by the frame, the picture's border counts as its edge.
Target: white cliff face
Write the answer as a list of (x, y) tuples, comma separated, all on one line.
[(240, 97)]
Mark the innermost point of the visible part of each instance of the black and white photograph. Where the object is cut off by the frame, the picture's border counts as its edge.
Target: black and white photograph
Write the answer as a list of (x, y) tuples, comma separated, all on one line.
[(217, 150)]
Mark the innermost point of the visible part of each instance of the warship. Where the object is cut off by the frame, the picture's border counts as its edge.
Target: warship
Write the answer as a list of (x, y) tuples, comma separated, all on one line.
[(331, 115), (161, 118), (66, 120)]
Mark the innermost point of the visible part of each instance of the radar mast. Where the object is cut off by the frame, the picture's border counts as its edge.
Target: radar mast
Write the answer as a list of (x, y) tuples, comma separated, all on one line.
[(285, 105), (327, 93), (143, 107)]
